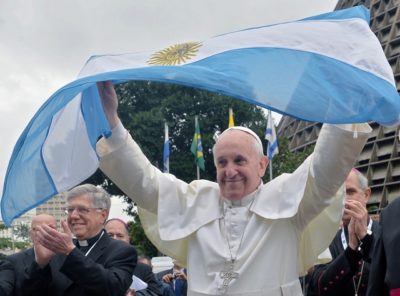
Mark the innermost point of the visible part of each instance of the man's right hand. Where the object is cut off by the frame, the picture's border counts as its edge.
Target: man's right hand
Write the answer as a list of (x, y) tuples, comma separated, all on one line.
[(109, 100), (168, 278), (42, 254)]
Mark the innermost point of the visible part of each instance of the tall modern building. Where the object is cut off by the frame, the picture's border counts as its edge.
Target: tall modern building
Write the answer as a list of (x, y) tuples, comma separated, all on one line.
[(55, 207), (380, 158)]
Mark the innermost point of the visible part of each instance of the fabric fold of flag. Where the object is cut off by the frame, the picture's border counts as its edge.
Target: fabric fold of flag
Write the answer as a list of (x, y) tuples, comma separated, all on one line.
[(270, 136), (166, 150), (327, 68), (197, 148)]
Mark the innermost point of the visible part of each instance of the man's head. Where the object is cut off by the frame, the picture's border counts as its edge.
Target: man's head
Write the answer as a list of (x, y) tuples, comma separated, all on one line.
[(356, 189), (117, 229), (88, 207), (240, 162), (39, 220)]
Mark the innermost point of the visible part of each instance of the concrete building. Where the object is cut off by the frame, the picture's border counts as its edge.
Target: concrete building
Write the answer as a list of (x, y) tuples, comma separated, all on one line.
[(380, 159), (55, 207)]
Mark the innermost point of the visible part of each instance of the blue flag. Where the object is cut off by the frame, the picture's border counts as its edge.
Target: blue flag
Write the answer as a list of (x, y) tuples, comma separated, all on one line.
[(327, 68), (270, 136)]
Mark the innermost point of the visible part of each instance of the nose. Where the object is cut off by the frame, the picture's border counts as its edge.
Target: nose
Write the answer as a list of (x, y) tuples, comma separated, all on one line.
[(230, 171), (74, 214)]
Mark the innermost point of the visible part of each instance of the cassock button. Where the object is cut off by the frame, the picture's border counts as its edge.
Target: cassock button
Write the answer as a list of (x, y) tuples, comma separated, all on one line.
[(337, 277), (325, 289), (342, 271), (330, 283)]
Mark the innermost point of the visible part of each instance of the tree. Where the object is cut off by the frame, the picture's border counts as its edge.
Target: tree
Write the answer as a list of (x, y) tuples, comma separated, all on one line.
[(138, 239), (286, 161), (22, 231)]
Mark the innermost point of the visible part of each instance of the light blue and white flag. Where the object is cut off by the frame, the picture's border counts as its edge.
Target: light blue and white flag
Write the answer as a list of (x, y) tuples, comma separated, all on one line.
[(270, 136), (166, 150), (327, 68)]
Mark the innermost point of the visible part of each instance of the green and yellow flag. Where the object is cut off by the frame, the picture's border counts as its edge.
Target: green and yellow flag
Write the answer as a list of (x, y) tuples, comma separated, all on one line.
[(197, 148)]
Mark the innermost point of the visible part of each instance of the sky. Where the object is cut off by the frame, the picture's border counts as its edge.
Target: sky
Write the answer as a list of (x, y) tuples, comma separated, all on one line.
[(45, 42)]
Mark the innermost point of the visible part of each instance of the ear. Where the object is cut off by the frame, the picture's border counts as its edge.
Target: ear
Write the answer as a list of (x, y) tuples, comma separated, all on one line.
[(367, 194), (264, 161), (104, 214)]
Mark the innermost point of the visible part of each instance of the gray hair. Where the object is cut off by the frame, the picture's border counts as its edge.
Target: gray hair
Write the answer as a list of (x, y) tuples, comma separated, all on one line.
[(362, 180), (97, 195), (256, 142)]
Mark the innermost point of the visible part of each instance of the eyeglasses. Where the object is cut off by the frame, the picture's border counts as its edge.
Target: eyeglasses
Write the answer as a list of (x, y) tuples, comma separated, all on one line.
[(80, 211)]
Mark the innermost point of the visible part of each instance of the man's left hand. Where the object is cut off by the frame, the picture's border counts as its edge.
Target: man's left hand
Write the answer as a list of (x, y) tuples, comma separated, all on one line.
[(359, 214)]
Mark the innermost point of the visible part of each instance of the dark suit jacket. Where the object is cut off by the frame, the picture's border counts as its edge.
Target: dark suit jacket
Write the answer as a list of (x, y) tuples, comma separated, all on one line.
[(21, 261), (145, 273), (336, 277), (107, 270), (6, 278), (184, 283), (385, 267)]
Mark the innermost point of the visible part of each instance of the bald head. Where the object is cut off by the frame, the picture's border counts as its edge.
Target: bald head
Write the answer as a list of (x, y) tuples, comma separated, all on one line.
[(117, 229), (42, 219)]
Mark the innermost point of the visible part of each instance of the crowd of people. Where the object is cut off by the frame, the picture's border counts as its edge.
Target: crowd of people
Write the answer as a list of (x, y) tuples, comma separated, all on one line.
[(235, 236)]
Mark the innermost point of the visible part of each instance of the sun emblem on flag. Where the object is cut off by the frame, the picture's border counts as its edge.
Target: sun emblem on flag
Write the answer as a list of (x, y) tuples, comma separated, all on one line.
[(175, 55)]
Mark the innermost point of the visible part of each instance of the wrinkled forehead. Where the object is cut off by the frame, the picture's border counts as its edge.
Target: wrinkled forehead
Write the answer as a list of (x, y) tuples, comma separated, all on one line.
[(116, 224), (83, 199)]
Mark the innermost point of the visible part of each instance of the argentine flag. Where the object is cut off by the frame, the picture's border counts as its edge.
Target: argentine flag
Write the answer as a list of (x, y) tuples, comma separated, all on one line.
[(327, 68)]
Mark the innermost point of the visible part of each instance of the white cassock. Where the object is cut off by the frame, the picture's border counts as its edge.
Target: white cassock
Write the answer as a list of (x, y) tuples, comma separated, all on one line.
[(273, 235)]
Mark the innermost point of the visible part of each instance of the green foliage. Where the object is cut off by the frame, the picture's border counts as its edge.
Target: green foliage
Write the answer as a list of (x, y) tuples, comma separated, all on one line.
[(138, 239), (21, 231), (286, 161), (6, 243)]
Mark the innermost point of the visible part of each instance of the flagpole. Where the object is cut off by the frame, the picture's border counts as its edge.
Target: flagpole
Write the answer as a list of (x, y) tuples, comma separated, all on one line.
[(196, 123), (270, 170), (270, 161)]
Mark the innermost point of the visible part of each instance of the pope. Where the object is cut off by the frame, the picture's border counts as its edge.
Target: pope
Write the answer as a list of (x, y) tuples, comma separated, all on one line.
[(237, 236)]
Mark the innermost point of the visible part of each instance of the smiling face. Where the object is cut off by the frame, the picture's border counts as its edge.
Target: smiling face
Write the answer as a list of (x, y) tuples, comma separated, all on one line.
[(239, 166), (84, 220)]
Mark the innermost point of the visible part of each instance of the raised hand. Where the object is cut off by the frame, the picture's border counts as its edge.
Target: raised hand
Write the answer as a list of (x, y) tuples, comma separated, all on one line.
[(353, 240), (42, 254), (109, 100), (55, 241), (359, 214)]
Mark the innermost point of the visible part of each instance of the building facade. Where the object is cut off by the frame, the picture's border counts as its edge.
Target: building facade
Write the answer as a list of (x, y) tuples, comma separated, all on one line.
[(380, 158)]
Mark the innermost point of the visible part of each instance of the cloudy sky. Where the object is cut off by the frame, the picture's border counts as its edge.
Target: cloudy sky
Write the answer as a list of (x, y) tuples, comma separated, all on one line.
[(44, 43)]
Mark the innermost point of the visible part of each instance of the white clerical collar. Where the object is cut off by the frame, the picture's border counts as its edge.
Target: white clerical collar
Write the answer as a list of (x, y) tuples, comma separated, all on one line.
[(83, 243)]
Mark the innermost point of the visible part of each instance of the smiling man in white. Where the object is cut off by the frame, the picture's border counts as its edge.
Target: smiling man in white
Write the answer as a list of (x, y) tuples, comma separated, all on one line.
[(237, 236)]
